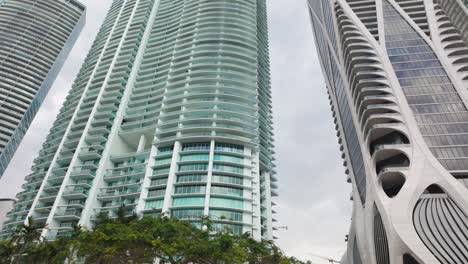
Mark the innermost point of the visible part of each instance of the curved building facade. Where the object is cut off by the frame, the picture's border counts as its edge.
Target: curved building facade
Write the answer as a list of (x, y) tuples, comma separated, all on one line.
[(396, 74), (170, 114), (36, 37)]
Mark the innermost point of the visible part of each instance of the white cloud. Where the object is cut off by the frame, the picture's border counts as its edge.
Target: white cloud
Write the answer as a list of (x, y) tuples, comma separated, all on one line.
[(314, 197)]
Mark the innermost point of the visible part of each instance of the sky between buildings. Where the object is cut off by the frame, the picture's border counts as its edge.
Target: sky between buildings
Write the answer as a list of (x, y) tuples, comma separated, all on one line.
[(314, 196)]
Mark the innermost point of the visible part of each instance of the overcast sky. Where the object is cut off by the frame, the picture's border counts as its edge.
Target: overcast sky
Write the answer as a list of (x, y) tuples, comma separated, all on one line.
[(314, 196)]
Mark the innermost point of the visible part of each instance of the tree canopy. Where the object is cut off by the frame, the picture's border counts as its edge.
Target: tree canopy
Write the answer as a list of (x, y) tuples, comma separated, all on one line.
[(135, 240)]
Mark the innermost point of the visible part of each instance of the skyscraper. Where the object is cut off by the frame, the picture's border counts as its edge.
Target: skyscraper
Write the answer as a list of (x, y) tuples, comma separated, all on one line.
[(35, 39), (170, 113), (396, 73)]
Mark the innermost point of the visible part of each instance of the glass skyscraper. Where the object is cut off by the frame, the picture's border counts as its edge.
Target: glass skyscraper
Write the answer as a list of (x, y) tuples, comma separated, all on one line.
[(170, 114), (397, 73), (35, 39)]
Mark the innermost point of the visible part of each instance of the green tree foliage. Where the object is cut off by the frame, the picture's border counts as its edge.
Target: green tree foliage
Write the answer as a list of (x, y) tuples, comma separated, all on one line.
[(134, 240)]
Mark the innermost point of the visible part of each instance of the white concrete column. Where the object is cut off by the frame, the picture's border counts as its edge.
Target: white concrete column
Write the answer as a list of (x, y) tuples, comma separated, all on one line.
[(256, 195), (269, 215), (172, 178), (208, 179), (141, 143), (146, 180)]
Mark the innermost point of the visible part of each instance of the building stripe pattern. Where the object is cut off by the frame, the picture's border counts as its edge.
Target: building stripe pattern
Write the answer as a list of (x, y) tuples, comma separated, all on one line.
[(395, 72), (36, 37), (170, 114)]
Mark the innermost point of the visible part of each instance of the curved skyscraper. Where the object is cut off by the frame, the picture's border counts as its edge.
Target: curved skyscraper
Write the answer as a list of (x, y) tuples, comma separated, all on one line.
[(35, 39), (397, 77), (170, 113)]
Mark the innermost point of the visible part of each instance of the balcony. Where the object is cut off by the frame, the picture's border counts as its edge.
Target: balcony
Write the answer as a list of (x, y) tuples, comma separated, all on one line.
[(394, 139), (68, 214), (41, 217), (96, 139), (93, 152), (75, 204), (48, 197), (99, 130), (83, 172), (111, 213), (56, 178), (107, 193), (75, 193)]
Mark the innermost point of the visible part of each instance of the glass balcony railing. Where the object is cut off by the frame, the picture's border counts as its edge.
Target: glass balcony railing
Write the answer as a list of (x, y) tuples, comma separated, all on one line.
[(72, 213), (112, 193)]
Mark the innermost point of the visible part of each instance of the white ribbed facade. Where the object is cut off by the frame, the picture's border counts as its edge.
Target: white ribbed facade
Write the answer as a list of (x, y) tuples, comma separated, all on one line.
[(36, 37), (170, 114), (397, 77)]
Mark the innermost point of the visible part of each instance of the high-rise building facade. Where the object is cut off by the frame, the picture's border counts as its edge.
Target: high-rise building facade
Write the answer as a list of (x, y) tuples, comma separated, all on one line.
[(397, 77), (36, 37), (170, 114)]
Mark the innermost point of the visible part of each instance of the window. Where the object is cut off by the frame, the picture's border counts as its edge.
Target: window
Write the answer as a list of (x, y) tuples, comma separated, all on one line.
[(226, 215), (227, 179), (194, 167), (162, 161), (157, 182), (188, 201), (228, 158), (156, 193), (192, 157), (159, 171), (227, 191), (187, 213), (228, 168), (165, 150), (191, 178), (229, 148), (196, 146), (190, 189), (156, 204), (234, 229), (227, 203)]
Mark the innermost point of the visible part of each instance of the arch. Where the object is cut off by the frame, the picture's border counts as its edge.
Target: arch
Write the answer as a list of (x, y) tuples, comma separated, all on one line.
[(390, 159), (408, 259), (392, 182), (386, 136), (434, 189)]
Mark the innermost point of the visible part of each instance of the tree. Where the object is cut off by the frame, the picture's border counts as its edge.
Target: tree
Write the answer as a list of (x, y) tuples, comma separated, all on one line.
[(25, 238), (133, 240)]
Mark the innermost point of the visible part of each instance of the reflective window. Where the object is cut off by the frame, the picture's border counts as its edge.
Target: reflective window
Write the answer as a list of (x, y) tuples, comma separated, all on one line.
[(438, 109)]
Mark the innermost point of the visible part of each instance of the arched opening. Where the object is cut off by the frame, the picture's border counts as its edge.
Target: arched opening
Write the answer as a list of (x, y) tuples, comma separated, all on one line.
[(393, 161), (392, 138), (408, 259), (392, 183), (434, 189)]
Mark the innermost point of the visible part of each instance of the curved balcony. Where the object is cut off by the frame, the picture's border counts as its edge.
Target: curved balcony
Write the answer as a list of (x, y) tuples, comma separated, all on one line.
[(387, 108), (83, 172), (75, 192), (385, 138), (373, 100), (111, 193), (372, 122), (390, 158), (91, 152), (68, 214)]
